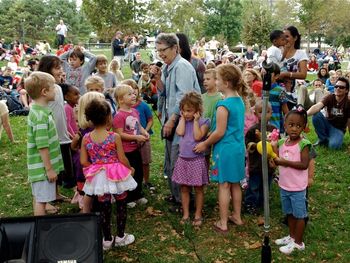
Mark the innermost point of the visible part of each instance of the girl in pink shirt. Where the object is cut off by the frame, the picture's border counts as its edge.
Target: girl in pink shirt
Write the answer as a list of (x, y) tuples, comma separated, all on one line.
[(293, 164), (71, 96)]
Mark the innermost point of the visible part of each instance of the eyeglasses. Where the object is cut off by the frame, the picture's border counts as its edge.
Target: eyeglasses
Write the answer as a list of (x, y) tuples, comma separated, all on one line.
[(161, 50), (339, 87)]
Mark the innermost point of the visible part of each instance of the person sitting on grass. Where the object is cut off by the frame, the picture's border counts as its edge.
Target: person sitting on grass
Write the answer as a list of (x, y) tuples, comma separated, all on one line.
[(43, 148), (5, 121), (330, 126)]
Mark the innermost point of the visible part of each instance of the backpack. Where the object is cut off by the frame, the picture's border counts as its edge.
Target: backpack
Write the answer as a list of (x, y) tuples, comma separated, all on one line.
[(14, 106)]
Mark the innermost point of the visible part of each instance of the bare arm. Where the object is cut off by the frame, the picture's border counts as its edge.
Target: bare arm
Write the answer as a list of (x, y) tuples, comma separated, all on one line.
[(149, 124), (199, 131), (215, 136), (285, 109), (301, 165), (50, 172), (84, 160), (315, 108), (7, 127), (129, 137), (180, 129), (120, 152)]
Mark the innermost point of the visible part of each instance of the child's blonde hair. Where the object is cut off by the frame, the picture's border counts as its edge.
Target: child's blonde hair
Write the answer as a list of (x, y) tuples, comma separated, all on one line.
[(192, 99), (120, 91), (94, 81), (232, 74), (211, 72), (83, 102), (254, 72), (36, 82), (114, 65), (211, 65), (132, 83), (101, 58)]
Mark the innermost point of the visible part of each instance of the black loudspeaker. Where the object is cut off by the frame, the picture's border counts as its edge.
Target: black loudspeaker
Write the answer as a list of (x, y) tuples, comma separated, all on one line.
[(46, 239)]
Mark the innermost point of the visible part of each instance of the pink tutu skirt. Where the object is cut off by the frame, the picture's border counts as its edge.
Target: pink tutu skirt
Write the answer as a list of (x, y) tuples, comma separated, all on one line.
[(112, 178)]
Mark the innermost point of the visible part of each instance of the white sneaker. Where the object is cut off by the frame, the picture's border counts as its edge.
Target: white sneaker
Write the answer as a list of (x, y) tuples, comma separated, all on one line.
[(284, 240), (291, 246), (131, 204), (107, 244), (124, 241), (142, 201)]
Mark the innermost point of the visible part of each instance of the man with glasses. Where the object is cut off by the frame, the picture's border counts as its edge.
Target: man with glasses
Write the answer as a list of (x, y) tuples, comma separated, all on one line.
[(331, 126), (175, 79)]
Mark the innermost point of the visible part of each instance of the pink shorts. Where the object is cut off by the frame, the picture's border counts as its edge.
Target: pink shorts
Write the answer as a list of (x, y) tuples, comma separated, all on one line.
[(146, 153)]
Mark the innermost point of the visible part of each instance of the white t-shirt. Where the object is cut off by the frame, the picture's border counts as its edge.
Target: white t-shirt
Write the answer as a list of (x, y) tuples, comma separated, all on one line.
[(3, 110), (292, 64), (61, 29), (274, 54)]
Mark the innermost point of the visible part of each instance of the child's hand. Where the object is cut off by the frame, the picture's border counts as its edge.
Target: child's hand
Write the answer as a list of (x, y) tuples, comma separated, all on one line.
[(196, 116), (141, 138), (51, 175), (272, 164), (200, 147), (310, 182), (132, 171), (146, 134)]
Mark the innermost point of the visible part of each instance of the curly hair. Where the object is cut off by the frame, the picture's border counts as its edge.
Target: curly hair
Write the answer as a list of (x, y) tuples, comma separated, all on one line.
[(98, 111), (192, 99)]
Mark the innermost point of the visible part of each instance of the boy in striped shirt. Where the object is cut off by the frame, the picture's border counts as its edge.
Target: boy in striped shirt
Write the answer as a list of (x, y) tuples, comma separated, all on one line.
[(44, 158)]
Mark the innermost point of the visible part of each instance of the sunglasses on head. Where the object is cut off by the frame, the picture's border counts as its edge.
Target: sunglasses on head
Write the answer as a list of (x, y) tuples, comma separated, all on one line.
[(339, 87)]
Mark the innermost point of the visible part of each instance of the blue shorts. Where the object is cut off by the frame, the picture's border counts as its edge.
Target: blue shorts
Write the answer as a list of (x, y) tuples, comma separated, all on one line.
[(294, 203)]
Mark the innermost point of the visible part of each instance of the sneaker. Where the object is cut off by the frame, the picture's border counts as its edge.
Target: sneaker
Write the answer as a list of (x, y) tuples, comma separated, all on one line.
[(131, 204), (107, 244), (284, 240), (142, 201), (291, 246), (124, 241), (150, 186)]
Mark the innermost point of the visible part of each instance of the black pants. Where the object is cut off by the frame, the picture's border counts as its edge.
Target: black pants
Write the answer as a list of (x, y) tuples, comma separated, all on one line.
[(136, 162), (67, 177), (60, 40)]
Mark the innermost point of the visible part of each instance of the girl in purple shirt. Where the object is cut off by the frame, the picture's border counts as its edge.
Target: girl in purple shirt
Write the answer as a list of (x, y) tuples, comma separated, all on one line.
[(191, 168)]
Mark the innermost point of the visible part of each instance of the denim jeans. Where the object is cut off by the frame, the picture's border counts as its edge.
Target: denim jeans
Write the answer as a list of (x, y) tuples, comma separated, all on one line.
[(326, 132), (254, 196)]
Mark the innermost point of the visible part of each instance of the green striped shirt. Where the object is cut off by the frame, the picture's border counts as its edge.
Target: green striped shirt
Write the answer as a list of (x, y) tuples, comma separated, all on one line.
[(42, 134)]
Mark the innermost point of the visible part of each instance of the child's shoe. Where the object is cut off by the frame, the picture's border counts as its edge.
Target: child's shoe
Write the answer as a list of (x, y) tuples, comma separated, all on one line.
[(150, 186), (287, 249), (131, 204), (142, 201), (107, 244), (244, 183), (284, 240), (124, 241)]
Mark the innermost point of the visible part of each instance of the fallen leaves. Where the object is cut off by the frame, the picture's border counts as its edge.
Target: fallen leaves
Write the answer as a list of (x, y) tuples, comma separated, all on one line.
[(254, 245), (153, 212)]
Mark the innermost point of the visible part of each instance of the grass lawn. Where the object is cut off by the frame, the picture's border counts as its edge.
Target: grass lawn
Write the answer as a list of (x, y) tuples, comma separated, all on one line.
[(161, 238)]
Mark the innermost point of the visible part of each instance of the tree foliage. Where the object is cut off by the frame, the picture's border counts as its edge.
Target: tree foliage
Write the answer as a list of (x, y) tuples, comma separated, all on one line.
[(223, 19), (257, 23)]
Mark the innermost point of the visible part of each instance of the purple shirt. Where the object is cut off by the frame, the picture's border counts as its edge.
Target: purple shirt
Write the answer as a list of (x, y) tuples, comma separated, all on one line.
[(187, 142)]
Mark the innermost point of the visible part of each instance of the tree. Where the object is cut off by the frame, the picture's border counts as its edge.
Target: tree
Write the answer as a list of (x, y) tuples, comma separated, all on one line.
[(223, 19), (257, 23)]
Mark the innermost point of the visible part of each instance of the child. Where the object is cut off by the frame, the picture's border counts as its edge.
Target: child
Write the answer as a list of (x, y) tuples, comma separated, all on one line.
[(76, 71), (278, 99), (228, 140), (43, 148), (254, 195), (191, 169), (126, 123), (212, 96), (110, 80), (107, 171), (94, 83), (114, 67), (148, 86), (146, 120), (71, 96), (293, 164), (275, 53), (85, 127)]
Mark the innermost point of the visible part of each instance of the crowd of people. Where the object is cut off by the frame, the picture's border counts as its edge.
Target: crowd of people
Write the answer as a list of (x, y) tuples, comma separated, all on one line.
[(89, 128)]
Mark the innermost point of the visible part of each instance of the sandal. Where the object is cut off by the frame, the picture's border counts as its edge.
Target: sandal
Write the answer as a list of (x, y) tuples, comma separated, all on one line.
[(184, 221), (197, 221), (218, 229), (234, 221)]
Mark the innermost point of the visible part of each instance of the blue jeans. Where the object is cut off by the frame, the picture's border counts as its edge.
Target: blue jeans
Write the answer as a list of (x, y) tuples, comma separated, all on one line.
[(254, 196), (294, 203), (326, 132)]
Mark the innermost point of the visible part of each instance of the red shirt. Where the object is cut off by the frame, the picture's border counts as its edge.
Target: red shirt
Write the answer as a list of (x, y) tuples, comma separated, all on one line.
[(257, 87)]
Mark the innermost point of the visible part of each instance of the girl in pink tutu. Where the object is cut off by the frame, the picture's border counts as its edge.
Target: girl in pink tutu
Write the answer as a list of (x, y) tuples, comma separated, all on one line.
[(191, 168), (107, 171)]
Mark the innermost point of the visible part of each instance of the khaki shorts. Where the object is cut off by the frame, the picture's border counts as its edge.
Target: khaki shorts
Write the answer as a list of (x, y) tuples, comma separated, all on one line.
[(44, 191), (146, 154)]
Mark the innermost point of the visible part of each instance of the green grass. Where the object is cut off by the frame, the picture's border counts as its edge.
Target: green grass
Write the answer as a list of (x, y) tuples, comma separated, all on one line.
[(160, 237)]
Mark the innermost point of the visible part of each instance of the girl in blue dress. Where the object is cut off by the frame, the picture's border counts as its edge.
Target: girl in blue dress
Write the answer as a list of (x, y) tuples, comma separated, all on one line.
[(228, 140)]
